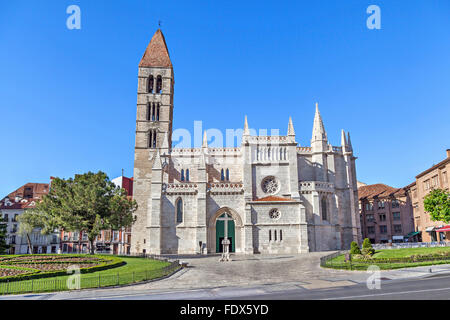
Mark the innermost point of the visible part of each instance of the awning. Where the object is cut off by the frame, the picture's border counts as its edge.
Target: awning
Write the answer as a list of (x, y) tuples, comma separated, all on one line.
[(429, 229), (412, 234), (444, 229)]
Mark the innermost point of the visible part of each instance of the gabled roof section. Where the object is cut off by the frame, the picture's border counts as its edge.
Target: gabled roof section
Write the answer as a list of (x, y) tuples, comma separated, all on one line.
[(25, 197), (379, 190), (157, 54)]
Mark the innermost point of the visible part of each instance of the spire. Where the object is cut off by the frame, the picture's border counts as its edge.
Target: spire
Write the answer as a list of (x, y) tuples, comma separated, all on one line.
[(157, 54), (318, 129), (291, 131), (349, 142), (343, 139), (205, 140), (246, 130)]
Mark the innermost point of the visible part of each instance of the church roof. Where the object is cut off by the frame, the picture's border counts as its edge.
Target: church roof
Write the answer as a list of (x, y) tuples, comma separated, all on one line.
[(157, 54), (274, 199)]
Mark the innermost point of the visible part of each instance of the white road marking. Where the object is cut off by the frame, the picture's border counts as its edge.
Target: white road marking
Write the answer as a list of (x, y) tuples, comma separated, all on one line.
[(386, 294)]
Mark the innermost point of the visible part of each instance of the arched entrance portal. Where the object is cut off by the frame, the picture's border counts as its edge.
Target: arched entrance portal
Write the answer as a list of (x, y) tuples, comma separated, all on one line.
[(216, 230), (225, 227)]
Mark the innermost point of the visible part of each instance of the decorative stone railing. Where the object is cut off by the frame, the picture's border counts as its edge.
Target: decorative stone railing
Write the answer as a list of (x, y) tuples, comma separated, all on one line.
[(224, 151), (270, 139), (226, 188), (180, 188), (319, 186), (304, 149), (208, 151), (185, 151)]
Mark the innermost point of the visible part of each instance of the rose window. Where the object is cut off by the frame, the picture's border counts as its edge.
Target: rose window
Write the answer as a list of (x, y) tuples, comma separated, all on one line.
[(270, 185), (274, 214)]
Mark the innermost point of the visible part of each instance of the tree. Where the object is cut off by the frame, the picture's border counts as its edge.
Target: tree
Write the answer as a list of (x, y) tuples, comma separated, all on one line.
[(88, 203), (354, 248), (3, 236), (437, 204), (367, 248), (28, 221)]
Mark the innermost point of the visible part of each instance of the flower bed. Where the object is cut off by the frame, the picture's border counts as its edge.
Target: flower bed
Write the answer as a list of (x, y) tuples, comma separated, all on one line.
[(390, 260), (8, 272), (41, 266)]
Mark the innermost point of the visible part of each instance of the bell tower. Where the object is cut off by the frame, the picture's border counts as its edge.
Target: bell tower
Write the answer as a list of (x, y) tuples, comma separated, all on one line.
[(153, 131)]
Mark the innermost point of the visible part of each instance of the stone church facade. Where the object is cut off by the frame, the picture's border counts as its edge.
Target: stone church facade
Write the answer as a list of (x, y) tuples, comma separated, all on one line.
[(270, 194)]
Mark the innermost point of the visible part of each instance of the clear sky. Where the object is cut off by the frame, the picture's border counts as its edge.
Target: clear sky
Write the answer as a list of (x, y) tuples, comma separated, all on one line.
[(68, 97)]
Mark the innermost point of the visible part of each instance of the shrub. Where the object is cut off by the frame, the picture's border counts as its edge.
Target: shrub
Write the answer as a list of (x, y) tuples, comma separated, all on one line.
[(367, 248), (354, 248)]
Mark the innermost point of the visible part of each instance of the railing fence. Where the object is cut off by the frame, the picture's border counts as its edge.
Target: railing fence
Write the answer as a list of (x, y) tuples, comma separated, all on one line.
[(89, 281)]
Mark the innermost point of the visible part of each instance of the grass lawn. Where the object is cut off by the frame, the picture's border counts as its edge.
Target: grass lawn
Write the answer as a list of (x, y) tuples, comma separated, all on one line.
[(339, 262), (407, 252), (135, 270)]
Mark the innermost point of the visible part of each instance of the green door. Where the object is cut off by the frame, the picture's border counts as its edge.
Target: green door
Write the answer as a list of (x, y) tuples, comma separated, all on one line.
[(220, 234)]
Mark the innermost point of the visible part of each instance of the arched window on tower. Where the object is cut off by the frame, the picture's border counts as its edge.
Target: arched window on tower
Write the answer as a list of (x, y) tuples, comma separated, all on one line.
[(324, 209), (150, 84), (222, 175), (187, 174), (182, 175), (158, 84), (149, 111), (228, 175), (157, 112), (270, 235), (150, 139), (179, 208), (153, 112), (154, 138)]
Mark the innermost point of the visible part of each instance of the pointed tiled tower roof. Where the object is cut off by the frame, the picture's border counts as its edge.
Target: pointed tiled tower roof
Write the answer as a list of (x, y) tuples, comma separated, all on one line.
[(157, 54)]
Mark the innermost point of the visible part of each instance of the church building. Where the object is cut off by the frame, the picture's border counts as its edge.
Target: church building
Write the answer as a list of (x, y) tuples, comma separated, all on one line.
[(269, 195)]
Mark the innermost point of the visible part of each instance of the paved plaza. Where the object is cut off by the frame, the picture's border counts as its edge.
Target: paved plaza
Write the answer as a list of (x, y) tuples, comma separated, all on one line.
[(246, 275)]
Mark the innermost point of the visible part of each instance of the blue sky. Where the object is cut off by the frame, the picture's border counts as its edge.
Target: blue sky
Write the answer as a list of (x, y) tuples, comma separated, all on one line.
[(68, 97)]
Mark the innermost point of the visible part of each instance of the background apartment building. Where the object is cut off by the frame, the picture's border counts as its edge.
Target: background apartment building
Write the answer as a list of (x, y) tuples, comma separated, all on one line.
[(436, 177), (386, 214), (12, 206)]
